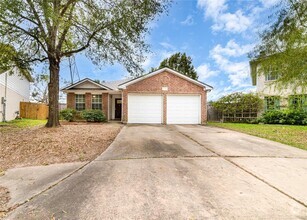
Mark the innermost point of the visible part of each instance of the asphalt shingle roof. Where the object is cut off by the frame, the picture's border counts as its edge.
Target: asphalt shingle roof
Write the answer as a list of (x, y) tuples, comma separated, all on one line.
[(114, 84)]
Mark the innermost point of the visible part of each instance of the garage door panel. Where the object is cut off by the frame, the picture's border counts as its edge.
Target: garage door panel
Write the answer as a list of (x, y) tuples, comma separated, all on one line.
[(144, 108), (183, 109)]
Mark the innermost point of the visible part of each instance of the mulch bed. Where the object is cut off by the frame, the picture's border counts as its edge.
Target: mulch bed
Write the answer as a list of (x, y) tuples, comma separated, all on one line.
[(42, 146)]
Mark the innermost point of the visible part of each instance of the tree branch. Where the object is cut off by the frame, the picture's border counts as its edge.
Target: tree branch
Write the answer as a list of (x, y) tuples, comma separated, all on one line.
[(297, 13), (40, 25), (66, 6), (91, 37), (66, 29), (26, 32), (45, 4)]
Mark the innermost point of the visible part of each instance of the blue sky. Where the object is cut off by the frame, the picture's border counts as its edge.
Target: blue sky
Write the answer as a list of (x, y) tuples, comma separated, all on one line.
[(217, 34)]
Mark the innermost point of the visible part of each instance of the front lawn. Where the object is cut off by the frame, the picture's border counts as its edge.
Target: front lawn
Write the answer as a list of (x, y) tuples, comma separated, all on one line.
[(22, 123), (293, 135)]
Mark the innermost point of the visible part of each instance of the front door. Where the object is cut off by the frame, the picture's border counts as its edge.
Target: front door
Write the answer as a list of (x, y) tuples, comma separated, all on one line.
[(118, 108)]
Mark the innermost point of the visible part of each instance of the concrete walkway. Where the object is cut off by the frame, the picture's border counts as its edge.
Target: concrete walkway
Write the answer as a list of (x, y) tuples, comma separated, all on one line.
[(27, 182), (181, 172)]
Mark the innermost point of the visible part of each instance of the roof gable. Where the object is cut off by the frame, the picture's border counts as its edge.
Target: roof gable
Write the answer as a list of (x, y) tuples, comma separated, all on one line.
[(124, 85), (86, 84)]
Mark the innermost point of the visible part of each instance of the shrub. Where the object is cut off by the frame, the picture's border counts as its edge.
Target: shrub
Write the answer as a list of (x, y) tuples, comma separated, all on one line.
[(291, 117), (272, 117), (255, 121), (93, 115), (68, 114)]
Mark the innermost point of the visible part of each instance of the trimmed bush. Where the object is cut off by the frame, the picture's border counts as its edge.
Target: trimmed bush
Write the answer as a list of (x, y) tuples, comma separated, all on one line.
[(290, 117), (93, 115), (68, 114)]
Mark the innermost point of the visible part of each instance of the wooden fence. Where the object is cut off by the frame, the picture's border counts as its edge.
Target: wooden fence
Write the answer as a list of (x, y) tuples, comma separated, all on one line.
[(213, 114), (33, 110)]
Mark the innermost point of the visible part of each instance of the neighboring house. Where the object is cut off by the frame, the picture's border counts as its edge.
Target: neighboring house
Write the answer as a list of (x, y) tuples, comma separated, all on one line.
[(162, 97), (275, 98), (14, 88)]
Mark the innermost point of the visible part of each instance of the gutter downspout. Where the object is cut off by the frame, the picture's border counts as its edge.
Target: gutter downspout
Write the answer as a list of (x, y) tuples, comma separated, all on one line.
[(3, 99)]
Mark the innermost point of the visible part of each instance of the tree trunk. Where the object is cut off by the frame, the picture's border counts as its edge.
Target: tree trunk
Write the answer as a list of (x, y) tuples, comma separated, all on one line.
[(53, 87)]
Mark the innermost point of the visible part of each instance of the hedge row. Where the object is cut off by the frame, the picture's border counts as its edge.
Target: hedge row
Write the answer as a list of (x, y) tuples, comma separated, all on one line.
[(89, 115), (290, 117)]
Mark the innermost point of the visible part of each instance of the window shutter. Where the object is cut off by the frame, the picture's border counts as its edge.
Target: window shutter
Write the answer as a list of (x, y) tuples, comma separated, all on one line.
[(304, 103), (290, 101), (265, 103), (277, 103)]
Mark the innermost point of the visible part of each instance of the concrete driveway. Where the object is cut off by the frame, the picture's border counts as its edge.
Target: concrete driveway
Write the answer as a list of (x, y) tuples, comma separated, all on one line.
[(181, 172)]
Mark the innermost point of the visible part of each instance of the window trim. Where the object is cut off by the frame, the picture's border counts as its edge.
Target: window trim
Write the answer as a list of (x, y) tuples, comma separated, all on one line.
[(301, 105), (269, 76), (94, 102), (276, 104), (77, 102)]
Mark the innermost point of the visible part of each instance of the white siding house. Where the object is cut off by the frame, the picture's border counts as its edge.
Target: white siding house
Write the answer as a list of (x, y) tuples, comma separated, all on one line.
[(15, 88), (275, 98)]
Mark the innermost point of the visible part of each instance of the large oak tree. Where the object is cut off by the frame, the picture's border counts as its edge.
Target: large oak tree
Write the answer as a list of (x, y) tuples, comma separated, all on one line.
[(47, 31)]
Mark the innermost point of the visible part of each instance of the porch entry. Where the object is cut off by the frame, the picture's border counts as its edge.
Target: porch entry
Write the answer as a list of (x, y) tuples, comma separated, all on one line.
[(118, 108)]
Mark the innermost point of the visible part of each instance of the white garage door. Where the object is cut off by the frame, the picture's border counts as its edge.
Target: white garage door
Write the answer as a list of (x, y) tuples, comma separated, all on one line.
[(144, 108), (183, 109)]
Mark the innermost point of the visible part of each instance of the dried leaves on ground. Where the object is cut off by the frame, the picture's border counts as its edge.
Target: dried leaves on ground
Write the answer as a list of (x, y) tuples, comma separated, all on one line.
[(4, 199), (42, 146)]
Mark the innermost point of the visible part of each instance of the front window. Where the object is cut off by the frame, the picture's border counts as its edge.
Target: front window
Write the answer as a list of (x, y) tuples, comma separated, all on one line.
[(272, 103), (298, 102), (97, 102), (80, 102), (271, 75)]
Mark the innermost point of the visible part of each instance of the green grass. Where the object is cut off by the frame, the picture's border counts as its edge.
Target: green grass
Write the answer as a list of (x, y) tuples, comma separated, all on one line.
[(23, 123), (293, 135)]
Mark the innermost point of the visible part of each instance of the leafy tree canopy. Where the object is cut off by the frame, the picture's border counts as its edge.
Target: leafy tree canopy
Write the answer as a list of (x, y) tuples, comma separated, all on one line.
[(108, 31), (181, 63), (9, 60), (238, 102), (283, 46)]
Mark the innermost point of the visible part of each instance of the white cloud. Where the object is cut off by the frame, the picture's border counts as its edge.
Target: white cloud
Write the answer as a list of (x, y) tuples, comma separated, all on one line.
[(238, 72), (224, 21), (188, 21), (236, 22), (167, 46), (148, 62), (154, 59), (269, 3), (232, 49), (213, 8), (204, 71)]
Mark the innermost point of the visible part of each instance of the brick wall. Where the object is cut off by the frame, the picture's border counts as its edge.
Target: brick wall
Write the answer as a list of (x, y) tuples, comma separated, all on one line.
[(71, 100), (88, 101), (175, 84)]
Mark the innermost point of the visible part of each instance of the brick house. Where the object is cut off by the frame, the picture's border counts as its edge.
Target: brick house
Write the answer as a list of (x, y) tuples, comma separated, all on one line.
[(164, 96)]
